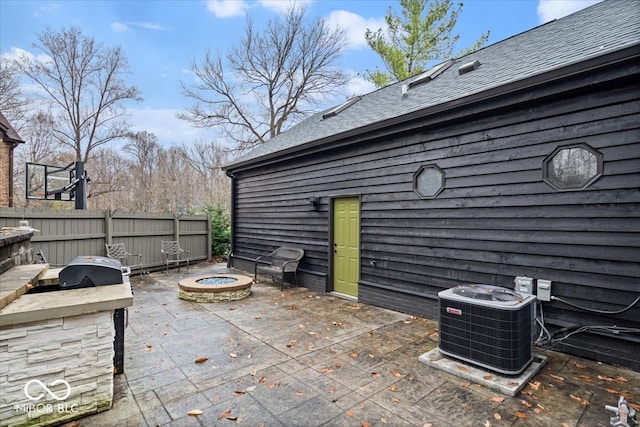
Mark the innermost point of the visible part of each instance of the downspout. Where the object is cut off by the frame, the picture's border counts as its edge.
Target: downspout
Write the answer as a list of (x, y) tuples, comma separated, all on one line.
[(233, 217), (14, 145)]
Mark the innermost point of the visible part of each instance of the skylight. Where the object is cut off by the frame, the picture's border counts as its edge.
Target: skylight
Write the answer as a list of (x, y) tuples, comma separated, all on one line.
[(430, 74), (340, 108)]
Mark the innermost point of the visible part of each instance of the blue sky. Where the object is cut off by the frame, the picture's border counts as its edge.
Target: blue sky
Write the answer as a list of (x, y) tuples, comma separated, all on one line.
[(160, 38)]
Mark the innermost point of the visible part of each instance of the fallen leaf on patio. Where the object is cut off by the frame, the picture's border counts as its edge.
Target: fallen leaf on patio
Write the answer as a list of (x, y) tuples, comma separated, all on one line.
[(520, 415), (462, 368), (238, 393), (349, 413), (604, 378), (497, 399), (299, 393), (620, 379), (580, 365), (195, 412), (366, 424), (394, 400), (383, 420), (565, 424), (338, 365), (313, 333), (293, 307), (534, 385), (612, 390), (232, 418), (543, 408), (253, 372), (326, 370), (525, 403), (261, 380), (258, 318), (497, 416), (427, 425), (292, 344), (585, 378), (149, 347), (488, 377), (301, 326), (583, 402), (556, 377), (407, 321), (72, 424), (251, 388), (393, 387), (465, 385), (216, 399), (375, 374), (272, 385), (201, 359), (396, 374), (486, 423), (371, 356), (233, 355), (354, 355), (635, 406)]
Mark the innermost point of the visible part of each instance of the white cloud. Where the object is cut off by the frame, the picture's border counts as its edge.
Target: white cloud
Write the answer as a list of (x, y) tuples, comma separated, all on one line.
[(16, 53), (119, 27), (227, 8), (358, 86), (354, 25), (148, 26), (549, 10)]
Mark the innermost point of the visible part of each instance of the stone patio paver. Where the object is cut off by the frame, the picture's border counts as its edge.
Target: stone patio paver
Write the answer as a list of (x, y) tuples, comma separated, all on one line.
[(298, 358)]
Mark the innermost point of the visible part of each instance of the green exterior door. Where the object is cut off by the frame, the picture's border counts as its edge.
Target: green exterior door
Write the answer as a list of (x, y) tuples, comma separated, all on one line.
[(346, 245)]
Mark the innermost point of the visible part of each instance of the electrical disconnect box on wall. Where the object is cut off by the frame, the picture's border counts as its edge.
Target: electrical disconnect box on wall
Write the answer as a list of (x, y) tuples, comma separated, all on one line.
[(544, 290), (524, 285)]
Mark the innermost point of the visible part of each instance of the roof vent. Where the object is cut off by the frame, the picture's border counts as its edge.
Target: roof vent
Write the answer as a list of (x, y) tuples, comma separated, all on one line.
[(341, 107), (469, 66)]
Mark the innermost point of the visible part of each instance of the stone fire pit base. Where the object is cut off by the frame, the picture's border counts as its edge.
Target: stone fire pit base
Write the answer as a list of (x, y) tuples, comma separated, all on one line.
[(191, 289)]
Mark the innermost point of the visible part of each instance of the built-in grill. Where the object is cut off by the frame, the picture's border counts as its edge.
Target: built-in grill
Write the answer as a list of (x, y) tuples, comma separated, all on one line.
[(90, 271)]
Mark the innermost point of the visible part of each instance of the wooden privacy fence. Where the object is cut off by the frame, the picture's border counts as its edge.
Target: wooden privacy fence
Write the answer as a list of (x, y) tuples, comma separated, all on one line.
[(65, 235)]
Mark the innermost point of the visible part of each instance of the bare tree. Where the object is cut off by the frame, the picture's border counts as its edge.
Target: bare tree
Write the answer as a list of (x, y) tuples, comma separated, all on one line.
[(270, 80), (84, 82), (110, 175), (206, 159), (144, 152), (13, 102)]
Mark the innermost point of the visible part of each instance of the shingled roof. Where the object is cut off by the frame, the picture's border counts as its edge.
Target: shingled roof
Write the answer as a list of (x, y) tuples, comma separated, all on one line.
[(607, 27), (9, 134)]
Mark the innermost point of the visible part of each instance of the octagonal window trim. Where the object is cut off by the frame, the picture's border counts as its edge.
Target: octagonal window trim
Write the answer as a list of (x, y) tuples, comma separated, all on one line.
[(434, 188), (572, 160)]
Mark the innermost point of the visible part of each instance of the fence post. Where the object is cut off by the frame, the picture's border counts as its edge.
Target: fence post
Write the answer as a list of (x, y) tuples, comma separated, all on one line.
[(108, 227), (176, 227)]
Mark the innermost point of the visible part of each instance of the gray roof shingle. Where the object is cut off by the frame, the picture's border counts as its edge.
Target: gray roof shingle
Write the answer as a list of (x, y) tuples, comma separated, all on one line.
[(595, 31)]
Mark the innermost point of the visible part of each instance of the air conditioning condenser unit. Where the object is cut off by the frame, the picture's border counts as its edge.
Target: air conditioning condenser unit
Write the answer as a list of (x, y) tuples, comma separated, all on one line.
[(488, 326)]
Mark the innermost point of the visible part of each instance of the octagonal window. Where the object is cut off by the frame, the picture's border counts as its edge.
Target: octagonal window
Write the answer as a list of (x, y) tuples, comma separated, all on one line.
[(428, 181), (572, 167)]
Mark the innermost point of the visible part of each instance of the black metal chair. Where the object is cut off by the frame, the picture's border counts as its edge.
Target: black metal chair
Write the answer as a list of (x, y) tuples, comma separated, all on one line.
[(174, 253), (119, 252), (279, 262)]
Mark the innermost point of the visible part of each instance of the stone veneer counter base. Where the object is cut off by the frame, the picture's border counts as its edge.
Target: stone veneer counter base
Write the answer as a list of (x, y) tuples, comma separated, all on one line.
[(56, 354)]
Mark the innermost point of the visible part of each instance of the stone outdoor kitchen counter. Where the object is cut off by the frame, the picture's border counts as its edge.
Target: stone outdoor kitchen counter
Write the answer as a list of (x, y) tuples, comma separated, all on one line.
[(57, 353)]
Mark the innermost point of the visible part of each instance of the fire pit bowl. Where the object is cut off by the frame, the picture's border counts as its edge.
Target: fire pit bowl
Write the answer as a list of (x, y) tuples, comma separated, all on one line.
[(215, 288)]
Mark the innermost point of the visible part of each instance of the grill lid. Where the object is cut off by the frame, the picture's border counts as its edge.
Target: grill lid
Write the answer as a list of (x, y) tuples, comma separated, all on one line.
[(89, 271)]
